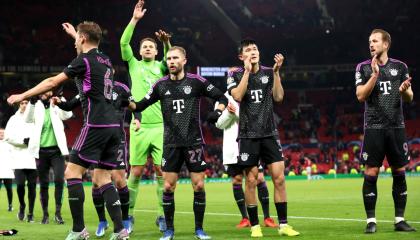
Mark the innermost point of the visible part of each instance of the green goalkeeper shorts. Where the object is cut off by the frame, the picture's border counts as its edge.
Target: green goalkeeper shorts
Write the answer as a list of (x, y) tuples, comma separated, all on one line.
[(148, 141)]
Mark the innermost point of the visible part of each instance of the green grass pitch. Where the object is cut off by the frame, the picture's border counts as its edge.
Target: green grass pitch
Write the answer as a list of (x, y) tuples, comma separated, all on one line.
[(324, 209)]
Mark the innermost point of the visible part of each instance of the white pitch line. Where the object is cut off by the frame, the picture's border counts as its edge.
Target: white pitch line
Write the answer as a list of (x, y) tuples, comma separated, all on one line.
[(292, 217)]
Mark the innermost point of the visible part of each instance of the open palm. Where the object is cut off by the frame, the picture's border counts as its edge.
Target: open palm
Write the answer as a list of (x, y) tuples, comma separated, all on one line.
[(138, 10), (278, 61)]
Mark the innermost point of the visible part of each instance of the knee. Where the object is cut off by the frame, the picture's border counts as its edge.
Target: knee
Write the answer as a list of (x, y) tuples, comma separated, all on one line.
[(101, 181), (399, 181), (260, 178), (120, 182), (137, 171), (169, 187), (372, 171), (279, 181), (199, 186)]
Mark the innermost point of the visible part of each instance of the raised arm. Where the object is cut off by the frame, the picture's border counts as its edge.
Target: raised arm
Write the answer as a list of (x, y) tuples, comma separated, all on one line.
[(42, 87), (239, 92), (70, 30), (138, 13), (364, 91), (165, 39)]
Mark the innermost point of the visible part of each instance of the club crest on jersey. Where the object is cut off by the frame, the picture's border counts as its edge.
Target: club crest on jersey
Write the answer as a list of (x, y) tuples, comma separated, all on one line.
[(393, 72), (230, 80), (114, 96), (187, 89), (163, 162), (264, 79), (244, 156), (365, 156)]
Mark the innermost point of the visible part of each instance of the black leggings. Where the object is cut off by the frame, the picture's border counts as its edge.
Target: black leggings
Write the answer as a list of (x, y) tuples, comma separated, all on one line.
[(8, 185), (21, 176), (50, 158)]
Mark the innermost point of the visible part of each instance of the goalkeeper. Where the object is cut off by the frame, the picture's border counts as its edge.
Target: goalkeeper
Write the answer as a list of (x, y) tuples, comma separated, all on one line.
[(149, 140)]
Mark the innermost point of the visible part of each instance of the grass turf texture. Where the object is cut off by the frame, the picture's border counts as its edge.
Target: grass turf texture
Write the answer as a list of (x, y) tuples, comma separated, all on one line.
[(325, 209)]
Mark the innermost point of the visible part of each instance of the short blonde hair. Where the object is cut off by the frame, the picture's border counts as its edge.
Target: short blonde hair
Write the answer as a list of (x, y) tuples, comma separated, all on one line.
[(181, 49)]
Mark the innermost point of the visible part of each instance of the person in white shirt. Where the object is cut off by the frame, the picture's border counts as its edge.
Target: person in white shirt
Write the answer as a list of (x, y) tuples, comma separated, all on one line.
[(48, 145), (17, 134), (6, 171), (228, 122)]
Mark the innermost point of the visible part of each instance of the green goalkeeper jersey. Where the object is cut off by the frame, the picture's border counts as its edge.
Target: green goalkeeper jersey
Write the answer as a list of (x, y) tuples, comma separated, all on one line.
[(143, 75)]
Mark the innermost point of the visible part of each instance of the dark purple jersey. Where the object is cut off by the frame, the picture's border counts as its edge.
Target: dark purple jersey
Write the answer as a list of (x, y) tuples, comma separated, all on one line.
[(121, 92), (94, 80), (256, 119), (383, 108), (180, 104)]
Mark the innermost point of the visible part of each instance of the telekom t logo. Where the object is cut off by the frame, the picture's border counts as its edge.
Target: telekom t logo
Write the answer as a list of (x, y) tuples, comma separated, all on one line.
[(178, 105), (385, 87), (256, 95)]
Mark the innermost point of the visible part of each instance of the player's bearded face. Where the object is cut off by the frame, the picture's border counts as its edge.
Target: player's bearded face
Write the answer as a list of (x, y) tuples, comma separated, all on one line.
[(148, 50), (376, 45), (175, 68), (175, 61)]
